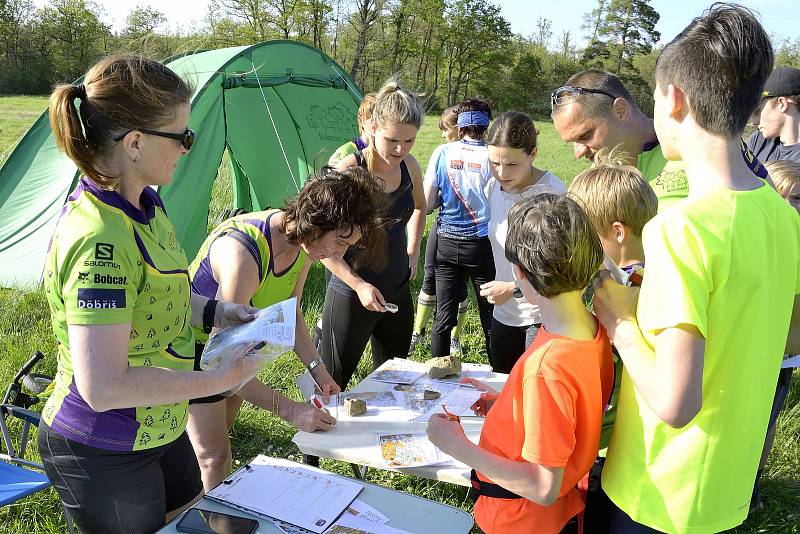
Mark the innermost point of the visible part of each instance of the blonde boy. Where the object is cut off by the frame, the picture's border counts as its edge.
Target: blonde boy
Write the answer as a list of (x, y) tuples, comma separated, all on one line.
[(619, 203)]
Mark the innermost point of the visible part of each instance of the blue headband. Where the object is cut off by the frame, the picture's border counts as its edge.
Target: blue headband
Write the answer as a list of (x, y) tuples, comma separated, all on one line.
[(473, 118)]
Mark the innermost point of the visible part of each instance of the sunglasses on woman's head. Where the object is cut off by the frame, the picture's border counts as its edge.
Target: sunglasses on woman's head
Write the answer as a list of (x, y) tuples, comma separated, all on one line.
[(186, 138)]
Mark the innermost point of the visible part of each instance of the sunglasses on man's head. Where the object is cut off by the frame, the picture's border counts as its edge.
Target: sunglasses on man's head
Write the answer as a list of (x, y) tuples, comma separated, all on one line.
[(186, 138), (567, 93)]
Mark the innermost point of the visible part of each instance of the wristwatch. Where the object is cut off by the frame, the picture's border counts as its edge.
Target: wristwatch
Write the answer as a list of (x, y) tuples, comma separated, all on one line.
[(314, 363), (517, 291)]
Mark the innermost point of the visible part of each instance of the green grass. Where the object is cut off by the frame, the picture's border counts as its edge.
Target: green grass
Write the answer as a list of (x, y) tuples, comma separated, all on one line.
[(17, 114), (25, 327)]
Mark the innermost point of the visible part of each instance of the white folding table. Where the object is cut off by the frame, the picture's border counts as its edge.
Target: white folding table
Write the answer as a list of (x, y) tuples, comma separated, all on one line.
[(355, 441)]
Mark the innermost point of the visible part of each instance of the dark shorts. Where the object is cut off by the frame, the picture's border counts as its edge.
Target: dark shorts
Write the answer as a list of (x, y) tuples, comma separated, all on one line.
[(120, 491), (198, 351)]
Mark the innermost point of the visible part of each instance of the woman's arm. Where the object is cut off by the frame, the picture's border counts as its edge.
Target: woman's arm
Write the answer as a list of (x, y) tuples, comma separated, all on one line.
[(304, 347), (416, 224), (370, 297), (431, 193), (106, 381)]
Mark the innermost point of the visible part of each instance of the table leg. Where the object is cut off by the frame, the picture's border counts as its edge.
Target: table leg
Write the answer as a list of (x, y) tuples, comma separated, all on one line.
[(360, 471), (311, 460)]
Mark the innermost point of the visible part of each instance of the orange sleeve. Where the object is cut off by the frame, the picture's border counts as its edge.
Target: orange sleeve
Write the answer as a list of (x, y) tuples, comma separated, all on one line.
[(549, 408)]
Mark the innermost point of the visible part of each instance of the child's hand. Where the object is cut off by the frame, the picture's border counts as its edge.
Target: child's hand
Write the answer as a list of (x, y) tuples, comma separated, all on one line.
[(489, 395), (497, 292), (614, 303), (446, 434)]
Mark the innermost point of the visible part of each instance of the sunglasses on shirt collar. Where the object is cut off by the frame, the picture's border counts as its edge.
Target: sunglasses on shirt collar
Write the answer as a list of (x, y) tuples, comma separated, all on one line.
[(561, 95), (186, 138)]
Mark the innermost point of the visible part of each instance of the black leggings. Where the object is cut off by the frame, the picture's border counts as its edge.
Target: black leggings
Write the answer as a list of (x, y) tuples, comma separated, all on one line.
[(347, 326), (429, 278), (455, 261), (508, 343), (120, 491)]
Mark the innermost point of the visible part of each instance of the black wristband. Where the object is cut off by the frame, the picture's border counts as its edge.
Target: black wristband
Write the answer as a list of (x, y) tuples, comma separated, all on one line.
[(209, 311)]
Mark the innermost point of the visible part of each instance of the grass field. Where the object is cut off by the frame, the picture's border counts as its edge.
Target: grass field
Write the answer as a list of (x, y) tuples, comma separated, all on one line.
[(25, 327)]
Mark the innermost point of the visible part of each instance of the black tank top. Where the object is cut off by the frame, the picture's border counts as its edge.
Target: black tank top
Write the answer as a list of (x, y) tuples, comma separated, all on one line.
[(396, 274)]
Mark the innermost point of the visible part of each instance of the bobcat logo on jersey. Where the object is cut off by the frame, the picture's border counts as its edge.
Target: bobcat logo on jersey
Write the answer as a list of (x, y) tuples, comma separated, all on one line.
[(456, 164)]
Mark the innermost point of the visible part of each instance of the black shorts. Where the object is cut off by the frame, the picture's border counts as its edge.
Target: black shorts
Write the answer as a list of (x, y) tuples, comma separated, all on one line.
[(198, 351), (120, 491)]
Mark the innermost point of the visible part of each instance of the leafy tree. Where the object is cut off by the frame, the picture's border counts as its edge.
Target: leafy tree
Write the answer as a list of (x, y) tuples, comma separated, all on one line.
[(477, 37), (142, 21), (629, 30)]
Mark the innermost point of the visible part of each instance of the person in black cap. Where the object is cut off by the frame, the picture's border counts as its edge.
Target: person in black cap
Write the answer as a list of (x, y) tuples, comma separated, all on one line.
[(778, 118)]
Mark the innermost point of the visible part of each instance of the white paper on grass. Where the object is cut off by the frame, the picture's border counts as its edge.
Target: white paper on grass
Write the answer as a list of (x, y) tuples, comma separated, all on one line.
[(272, 330)]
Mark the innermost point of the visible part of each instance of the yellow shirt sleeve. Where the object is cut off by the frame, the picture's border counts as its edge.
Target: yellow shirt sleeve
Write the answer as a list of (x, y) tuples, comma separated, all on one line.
[(677, 286)]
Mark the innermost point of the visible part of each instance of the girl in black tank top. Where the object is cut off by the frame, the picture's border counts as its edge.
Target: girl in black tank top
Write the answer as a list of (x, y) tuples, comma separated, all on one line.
[(354, 311)]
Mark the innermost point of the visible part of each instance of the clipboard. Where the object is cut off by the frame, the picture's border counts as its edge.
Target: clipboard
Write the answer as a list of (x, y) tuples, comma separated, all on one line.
[(281, 490)]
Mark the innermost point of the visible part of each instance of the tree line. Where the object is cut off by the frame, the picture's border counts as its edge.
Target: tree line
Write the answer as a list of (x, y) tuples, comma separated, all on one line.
[(445, 49)]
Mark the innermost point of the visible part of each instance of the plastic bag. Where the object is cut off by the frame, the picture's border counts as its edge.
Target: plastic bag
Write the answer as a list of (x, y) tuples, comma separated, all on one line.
[(266, 337)]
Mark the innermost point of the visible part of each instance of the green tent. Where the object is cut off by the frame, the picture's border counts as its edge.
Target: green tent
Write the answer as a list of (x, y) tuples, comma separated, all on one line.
[(280, 108)]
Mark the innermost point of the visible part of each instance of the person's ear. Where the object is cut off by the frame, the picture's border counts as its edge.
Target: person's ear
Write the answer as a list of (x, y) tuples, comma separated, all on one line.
[(132, 145), (619, 232), (677, 102), (621, 109), (534, 153), (783, 104)]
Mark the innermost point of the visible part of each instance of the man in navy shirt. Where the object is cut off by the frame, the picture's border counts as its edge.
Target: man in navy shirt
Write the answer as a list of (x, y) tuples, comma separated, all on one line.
[(778, 118)]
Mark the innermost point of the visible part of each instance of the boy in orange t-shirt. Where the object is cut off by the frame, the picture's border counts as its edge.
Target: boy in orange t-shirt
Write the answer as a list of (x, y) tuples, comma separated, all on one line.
[(543, 429)]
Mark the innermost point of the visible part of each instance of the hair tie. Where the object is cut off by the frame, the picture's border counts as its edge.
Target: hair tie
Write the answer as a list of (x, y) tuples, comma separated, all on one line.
[(81, 91), (473, 118)]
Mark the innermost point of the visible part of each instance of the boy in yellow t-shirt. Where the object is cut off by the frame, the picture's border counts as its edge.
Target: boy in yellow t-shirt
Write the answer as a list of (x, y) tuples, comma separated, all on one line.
[(703, 347), (619, 202)]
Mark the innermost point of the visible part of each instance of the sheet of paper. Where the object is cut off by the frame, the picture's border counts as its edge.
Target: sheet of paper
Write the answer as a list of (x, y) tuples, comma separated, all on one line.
[(458, 402), (400, 371), (409, 450), (272, 329), (305, 383), (381, 405), (288, 491), (413, 393), (478, 371), (790, 361), (365, 511), (351, 524)]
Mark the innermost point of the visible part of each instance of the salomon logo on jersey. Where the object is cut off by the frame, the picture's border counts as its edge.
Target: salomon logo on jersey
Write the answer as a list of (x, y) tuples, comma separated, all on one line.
[(100, 263), (104, 251), (93, 298)]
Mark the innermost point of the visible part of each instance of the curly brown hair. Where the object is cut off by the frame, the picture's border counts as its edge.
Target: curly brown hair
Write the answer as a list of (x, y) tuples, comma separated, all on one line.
[(341, 200)]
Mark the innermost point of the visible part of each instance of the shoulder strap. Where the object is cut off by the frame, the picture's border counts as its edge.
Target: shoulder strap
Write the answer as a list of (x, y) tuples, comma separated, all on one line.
[(360, 159)]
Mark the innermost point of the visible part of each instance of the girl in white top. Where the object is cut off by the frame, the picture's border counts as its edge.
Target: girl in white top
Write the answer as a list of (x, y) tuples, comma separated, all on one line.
[(512, 148)]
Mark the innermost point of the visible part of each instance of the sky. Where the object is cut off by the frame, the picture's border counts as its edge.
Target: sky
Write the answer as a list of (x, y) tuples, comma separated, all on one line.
[(780, 17)]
